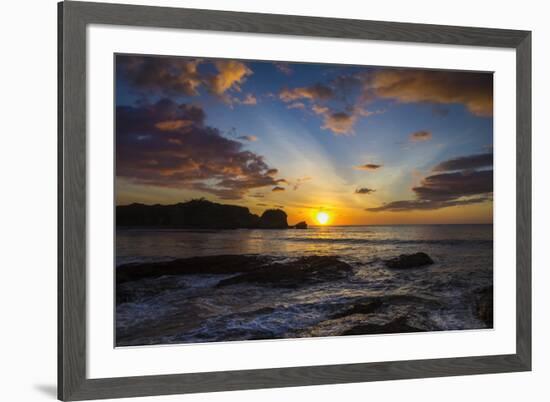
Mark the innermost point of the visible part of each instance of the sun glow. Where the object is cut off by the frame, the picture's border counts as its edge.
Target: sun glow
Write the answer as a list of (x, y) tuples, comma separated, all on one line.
[(322, 217)]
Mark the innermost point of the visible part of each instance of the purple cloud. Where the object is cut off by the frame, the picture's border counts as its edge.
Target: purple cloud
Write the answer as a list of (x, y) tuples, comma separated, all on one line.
[(168, 145)]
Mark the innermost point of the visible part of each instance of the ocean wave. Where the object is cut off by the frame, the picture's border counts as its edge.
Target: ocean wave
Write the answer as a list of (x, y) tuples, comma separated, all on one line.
[(258, 296), (443, 242), (124, 260)]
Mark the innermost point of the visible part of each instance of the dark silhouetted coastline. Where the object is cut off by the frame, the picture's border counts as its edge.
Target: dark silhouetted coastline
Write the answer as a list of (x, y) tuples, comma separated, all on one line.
[(200, 214)]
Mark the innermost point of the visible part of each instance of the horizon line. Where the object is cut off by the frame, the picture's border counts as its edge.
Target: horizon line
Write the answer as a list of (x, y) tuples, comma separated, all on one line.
[(404, 224)]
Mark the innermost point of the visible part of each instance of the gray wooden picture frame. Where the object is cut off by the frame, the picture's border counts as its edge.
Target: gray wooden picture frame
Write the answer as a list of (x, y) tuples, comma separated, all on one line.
[(73, 18)]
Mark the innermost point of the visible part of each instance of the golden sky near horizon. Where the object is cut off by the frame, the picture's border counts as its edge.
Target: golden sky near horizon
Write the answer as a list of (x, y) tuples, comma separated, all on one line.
[(366, 145)]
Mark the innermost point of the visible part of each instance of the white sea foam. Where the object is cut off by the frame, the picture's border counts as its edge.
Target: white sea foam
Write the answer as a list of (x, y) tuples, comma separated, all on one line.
[(191, 308)]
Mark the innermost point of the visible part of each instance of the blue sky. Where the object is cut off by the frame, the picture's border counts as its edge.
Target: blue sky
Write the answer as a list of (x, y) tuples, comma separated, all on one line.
[(359, 142)]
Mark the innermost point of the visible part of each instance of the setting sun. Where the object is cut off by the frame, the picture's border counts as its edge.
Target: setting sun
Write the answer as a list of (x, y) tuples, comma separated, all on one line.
[(298, 184), (322, 218)]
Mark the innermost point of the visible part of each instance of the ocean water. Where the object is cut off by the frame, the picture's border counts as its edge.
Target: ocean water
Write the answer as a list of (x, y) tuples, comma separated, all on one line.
[(190, 308)]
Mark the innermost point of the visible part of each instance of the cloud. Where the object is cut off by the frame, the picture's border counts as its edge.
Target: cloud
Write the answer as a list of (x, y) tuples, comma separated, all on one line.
[(277, 188), (195, 156), (173, 125), (320, 110), (176, 75), (314, 92), (419, 136), (341, 101), (473, 90), (250, 138), (160, 74), (364, 190), (411, 205), (284, 68), (445, 186), (368, 166), (461, 186), (231, 74), (367, 113), (248, 100), (300, 181), (297, 105), (339, 122), (338, 102), (465, 162)]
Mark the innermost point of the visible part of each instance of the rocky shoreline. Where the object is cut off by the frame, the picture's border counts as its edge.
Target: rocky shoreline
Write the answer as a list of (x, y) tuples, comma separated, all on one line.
[(253, 269), (142, 284)]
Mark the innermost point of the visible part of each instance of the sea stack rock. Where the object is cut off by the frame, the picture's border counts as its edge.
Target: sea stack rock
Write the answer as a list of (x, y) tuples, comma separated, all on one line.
[(301, 225), (273, 219), (409, 261)]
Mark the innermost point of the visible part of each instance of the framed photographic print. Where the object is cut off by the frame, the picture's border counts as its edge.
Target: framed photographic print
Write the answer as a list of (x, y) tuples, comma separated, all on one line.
[(255, 201)]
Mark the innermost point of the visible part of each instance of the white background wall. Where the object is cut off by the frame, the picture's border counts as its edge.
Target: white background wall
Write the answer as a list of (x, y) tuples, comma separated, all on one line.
[(28, 199)]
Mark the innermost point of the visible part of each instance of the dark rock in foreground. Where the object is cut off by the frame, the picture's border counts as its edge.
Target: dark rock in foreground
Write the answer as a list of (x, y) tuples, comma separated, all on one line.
[(484, 306), (304, 270), (218, 264), (301, 225), (399, 325), (359, 308), (409, 261), (257, 269), (273, 219)]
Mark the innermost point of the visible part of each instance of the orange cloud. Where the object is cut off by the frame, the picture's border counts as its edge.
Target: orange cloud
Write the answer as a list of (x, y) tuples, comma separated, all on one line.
[(314, 92), (331, 102), (172, 125), (160, 74), (339, 122), (231, 74), (196, 157), (321, 110), (473, 90), (177, 75)]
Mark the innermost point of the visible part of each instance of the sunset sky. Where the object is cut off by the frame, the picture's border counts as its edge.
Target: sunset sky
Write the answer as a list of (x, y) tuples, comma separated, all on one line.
[(366, 145)]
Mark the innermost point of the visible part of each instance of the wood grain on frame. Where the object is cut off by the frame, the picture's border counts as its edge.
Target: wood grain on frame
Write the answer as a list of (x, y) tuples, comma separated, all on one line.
[(73, 19)]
